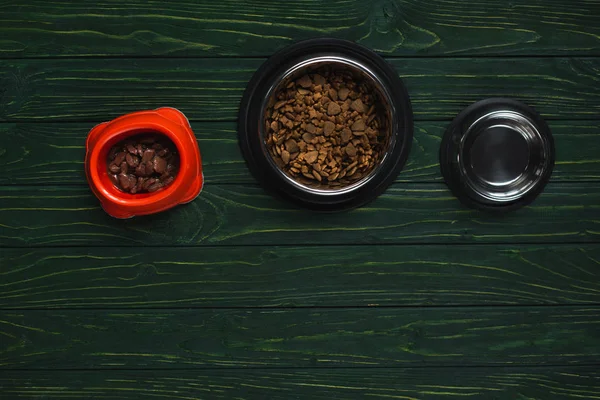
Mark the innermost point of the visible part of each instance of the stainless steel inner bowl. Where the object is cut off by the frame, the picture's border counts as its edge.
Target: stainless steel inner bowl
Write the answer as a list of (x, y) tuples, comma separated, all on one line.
[(498, 154), (502, 156), (360, 72)]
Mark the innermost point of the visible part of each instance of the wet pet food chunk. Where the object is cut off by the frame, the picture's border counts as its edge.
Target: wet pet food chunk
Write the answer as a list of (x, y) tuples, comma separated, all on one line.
[(143, 163)]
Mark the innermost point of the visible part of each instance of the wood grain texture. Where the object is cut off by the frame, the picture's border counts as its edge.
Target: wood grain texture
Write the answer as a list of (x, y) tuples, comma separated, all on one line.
[(308, 384), (238, 214), (350, 337), (210, 89), (52, 154), (320, 276), (240, 295), (243, 28)]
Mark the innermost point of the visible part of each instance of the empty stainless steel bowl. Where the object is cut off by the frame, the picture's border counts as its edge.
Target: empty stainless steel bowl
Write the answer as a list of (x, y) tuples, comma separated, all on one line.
[(497, 155), (394, 110)]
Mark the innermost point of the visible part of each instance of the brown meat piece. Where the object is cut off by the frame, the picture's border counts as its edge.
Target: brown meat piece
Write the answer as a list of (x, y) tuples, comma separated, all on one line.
[(159, 164), (132, 160), (127, 181), (133, 167), (148, 155)]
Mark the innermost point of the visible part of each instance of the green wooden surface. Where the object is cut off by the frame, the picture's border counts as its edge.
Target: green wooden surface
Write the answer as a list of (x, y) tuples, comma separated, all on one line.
[(299, 276), (242, 28), (241, 296), (343, 337), (308, 384), (40, 153), (245, 214), (210, 89)]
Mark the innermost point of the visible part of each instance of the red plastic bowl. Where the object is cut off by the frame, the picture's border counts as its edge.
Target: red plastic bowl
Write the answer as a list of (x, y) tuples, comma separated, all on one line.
[(167, 121)]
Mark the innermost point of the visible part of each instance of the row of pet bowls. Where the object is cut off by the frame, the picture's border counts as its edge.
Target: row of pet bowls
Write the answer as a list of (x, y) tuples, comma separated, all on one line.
[(497, 154)]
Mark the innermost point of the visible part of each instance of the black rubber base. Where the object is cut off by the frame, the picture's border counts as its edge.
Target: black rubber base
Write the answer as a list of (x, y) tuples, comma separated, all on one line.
[(450, 148), (249, 123)]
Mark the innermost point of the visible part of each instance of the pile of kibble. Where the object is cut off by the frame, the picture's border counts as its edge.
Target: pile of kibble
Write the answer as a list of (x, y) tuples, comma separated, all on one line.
[(325, 127), (144, 163)]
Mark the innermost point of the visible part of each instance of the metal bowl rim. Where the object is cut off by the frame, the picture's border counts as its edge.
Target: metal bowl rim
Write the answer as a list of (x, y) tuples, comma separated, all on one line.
[(356, 65), (525, 182)]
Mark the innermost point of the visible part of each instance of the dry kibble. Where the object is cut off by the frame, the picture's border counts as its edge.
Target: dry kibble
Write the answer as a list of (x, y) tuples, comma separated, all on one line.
[(311, 157), (358, 106), (305, 82), (345, 105), (291, 145), (328, 128), (310, 128), (346, 135), (333, 108), (333, 94), (343, 93), (323, 129), (308, 137), (351, 150), (319, 80), (359, 125)]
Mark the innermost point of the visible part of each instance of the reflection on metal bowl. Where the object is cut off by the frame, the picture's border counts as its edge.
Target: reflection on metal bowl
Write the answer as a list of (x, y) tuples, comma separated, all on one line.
[(498, 154)]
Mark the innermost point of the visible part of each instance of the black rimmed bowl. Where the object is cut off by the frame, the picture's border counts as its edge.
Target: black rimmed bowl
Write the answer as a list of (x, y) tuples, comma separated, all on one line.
[(497, 155), (393, 104)]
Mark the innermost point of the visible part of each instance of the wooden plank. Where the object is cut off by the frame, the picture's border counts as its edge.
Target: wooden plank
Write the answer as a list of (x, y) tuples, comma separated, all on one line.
[(310, 384), (205, 28), (210, 89), (299, 276), (349, 337), (237, 214), (44, 154)]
